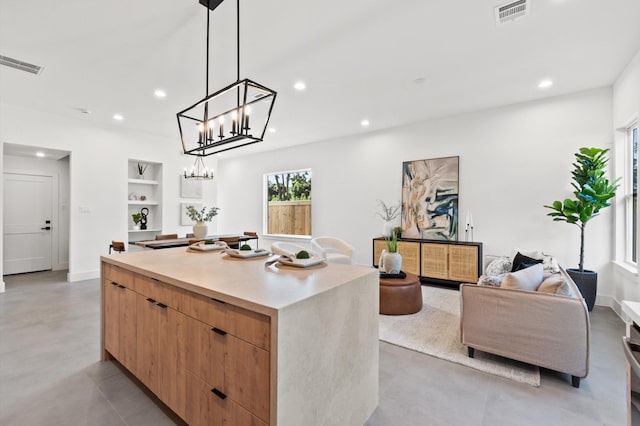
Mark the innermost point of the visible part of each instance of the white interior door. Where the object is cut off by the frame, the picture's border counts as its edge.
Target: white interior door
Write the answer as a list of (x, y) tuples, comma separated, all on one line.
[(27, 223)]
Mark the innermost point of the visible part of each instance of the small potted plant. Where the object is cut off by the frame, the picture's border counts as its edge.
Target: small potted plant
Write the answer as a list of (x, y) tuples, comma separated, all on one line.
[(141, 169), (200, 228), (136, 220), (390, 260), (592, 194)]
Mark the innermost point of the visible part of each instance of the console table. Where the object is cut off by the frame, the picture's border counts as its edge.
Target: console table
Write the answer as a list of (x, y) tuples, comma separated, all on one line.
[(439, 261)]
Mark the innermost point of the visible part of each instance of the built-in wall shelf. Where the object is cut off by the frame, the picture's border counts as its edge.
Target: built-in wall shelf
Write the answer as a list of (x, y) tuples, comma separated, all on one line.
[(143, 203), (143, 181), (148, 186)]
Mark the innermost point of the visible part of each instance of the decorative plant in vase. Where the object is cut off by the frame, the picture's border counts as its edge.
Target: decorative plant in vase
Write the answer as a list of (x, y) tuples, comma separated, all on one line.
[(141, 169), (592, 194), (388, 213), (390, 260), (136, 220), (200, 228)]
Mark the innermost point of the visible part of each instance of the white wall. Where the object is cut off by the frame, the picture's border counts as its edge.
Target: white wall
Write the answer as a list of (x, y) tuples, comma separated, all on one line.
[(60, 220), (513, 160), (626, 107), (98, 176)]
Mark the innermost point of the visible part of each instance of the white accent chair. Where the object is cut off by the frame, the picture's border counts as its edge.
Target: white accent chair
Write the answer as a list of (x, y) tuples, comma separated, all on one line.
[(333, 249), (286, 249)]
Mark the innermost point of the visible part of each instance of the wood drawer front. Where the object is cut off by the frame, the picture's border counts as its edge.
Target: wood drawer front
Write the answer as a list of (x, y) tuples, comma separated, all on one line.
[(119, 275), (410, 253), (435, 261), (205, 408), (247, 376), (159, 291), (251, 326), (209, 311), (463, 263)]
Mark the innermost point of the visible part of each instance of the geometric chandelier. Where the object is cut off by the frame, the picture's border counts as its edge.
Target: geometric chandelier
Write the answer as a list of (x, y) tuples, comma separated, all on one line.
[(234, 116)]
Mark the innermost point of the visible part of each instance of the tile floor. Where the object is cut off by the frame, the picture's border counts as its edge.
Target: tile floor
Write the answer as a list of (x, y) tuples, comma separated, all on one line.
[(50, 373)]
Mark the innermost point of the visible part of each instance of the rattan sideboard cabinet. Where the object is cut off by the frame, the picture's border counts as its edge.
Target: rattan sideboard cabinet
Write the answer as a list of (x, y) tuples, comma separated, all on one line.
[(447, 262)]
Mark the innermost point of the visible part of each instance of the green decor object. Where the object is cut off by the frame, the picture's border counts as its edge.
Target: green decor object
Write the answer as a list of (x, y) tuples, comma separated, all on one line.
[(142, 168), (136, 218), (245, 247), (592, 193), (392, 242), (302, 254), (202, 215)]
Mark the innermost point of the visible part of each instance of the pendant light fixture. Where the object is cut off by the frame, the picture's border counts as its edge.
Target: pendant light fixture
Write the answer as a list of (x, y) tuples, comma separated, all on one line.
[(234, 116)]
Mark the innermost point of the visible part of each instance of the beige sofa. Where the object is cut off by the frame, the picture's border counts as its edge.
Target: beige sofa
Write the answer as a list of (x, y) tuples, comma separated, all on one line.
[(548, 330)]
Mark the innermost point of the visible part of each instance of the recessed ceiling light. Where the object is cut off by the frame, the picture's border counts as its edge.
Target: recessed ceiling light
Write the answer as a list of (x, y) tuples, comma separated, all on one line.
[(118, 117), (272, 130), (364, 122), (300, 85), (40, 154), (544, 84), (159, 93)]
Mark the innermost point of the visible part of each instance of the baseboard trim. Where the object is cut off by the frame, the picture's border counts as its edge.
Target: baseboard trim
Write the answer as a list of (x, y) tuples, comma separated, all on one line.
[(2, 287), (81, 276)]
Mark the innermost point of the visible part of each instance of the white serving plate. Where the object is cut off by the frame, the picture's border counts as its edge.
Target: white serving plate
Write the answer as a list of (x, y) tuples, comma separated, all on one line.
[(301, 263), (201, 246), (245, 254)]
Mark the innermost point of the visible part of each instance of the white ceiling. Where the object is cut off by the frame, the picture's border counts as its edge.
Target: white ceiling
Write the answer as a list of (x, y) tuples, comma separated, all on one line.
[(359, 58)]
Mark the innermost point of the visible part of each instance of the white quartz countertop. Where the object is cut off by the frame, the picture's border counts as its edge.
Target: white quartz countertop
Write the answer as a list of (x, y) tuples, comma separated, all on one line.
[(241, 281)]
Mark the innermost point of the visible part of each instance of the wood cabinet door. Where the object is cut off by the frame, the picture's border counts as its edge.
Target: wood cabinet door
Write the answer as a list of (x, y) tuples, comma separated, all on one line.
[(127, 330), (205, 353), (410, 252), (111, 317), (434, 261), (147, 342), (378, 246), (463, 263), (203, 407)]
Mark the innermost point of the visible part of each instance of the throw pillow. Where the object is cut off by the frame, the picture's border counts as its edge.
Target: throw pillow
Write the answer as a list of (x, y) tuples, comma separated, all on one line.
[(549, 263), (524, 279), (491, 280), (520, 259), (499, 266), (535, 254), (551, 284)]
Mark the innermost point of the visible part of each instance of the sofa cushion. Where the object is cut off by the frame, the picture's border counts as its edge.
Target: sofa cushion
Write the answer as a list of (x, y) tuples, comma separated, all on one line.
[(491, 280), (499, 266), (520, 259), (555, 284), (524, 279)]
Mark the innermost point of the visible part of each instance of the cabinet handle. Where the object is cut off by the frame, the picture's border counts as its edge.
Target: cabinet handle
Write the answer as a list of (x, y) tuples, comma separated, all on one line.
[(162, 305), (218, 393), (220, 332), (150, 300), (121, 286), (219, 301)]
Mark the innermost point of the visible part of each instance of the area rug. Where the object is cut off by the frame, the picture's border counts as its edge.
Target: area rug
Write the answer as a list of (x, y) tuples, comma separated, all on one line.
[(435, 331)]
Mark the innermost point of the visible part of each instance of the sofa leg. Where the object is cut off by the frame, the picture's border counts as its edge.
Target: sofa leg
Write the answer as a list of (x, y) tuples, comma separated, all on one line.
[(575, 381), (471, 352)]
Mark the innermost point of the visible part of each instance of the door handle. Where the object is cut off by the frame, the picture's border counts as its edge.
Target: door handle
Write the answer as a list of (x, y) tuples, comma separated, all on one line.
[(48, 228)]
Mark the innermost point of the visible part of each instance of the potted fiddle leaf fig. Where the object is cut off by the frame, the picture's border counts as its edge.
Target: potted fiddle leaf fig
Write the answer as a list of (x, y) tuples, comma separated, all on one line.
[(593, 192)]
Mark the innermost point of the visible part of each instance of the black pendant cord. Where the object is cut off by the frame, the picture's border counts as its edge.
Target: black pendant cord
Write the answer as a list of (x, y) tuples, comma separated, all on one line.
[(238, 48), (206, 105)]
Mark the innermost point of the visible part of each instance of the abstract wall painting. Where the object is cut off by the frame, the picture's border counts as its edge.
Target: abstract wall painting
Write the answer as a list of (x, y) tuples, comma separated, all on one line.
[(430, 199)]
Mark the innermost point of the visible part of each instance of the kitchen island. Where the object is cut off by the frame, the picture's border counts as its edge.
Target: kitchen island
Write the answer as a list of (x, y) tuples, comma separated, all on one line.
[(221, 339)]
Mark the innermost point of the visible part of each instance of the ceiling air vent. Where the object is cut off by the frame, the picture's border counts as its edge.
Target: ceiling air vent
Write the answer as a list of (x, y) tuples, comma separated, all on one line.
[(20, 65), (512, 11)]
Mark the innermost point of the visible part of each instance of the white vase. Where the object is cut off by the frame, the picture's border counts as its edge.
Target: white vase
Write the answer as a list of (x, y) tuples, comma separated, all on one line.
[(391, 263), (387, 229), (200, 229), (136, 227)]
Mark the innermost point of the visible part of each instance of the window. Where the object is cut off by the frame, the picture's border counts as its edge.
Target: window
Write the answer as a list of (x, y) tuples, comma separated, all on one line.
[(631, 192), (288, 203)]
